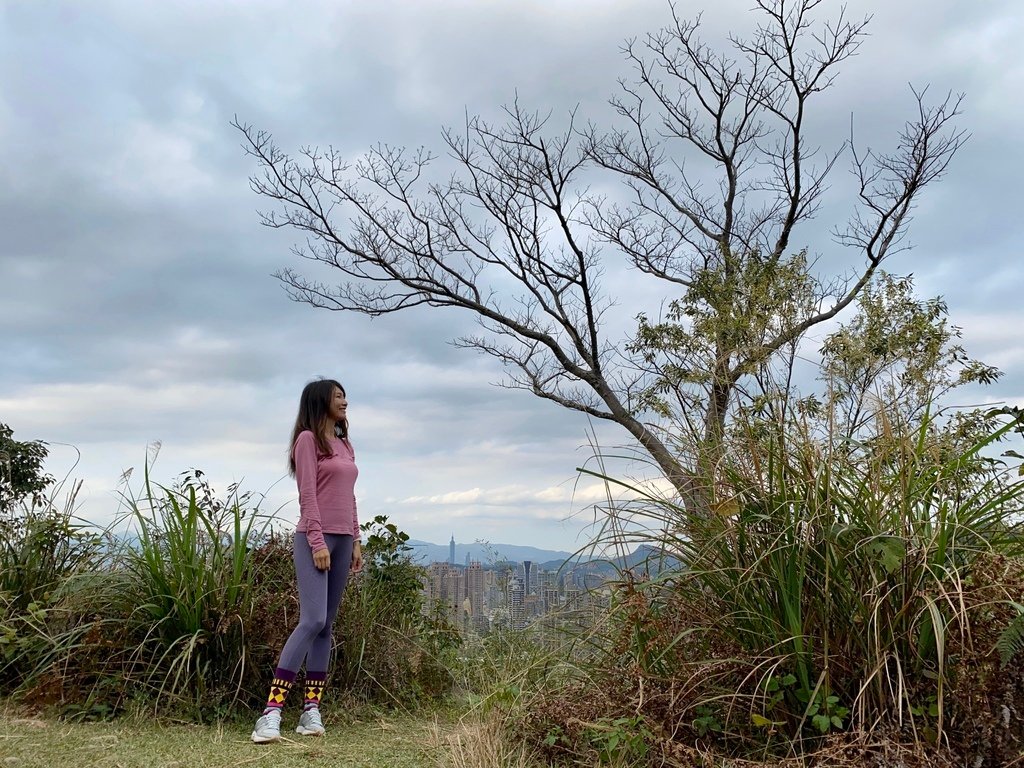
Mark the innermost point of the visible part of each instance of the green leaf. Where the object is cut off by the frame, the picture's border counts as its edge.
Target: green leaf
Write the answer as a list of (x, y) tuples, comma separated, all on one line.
[(821, 722), (890, 552), (760, 721)]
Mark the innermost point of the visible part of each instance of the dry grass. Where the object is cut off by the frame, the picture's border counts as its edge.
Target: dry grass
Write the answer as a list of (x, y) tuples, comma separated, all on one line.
[(479, 741), (482, 741)]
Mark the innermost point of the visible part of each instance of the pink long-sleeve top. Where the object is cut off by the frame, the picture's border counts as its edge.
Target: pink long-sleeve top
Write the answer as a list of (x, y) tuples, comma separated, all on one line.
[(327, 501)]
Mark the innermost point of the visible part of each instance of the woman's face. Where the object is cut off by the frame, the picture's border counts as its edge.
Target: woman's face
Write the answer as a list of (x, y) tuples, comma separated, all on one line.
[(339, 405)]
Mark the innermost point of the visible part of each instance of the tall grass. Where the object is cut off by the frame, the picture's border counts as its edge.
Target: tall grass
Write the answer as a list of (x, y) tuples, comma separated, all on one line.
[(192, 578), (47, 561), (838, 587), (185, 610), (41, 544), (481, 741), (855, 564)]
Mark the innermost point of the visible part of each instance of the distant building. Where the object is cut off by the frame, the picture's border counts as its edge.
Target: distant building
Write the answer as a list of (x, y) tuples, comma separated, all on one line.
[(475, 595), (544, 580), (446, 587), (574, 599), (592, 581), (550, 597), (533, 607), (516, 598), (451, 551), (527, 573)]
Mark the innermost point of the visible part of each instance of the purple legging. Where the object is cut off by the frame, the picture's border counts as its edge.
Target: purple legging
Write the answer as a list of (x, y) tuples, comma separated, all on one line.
[(320, 595)]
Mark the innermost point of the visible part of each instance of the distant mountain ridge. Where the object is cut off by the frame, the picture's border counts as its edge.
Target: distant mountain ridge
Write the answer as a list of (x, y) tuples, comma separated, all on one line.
[(644, 557), (426, 553)]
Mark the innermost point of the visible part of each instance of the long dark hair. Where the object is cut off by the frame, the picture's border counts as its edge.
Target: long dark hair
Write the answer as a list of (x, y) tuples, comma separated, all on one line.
[(314, 406)]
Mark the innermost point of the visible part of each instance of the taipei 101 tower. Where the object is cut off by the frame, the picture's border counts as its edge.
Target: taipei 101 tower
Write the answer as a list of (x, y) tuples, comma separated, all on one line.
[(451, 551)]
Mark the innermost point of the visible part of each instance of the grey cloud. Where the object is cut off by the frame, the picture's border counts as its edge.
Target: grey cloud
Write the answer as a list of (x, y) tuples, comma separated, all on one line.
[(134, 273)]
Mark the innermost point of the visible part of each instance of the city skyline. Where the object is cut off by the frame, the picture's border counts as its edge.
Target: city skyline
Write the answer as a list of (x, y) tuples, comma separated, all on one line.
[(480, 599)]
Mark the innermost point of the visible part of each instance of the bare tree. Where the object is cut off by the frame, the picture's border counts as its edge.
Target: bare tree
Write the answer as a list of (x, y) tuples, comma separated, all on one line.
[(514, 237)]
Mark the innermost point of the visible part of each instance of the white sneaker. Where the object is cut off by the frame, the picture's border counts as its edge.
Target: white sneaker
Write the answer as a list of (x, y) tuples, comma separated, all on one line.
[(310, 723), (268, 727)]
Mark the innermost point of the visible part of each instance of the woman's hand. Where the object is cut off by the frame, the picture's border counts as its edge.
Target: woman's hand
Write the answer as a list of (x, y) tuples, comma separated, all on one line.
[(357, 557), (322, 559)]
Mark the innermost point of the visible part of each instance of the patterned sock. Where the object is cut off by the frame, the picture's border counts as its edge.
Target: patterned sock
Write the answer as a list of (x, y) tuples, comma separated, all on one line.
[(315, 684), (282, 683)]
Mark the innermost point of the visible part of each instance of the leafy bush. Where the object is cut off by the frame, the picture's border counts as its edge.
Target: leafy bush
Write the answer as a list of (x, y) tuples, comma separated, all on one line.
[(188, 613), (22, 478), (42, 547), (388, 648)]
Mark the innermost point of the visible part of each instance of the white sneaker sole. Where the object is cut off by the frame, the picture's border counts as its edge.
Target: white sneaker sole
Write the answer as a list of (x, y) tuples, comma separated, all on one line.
[(310, 731), (257, 739)]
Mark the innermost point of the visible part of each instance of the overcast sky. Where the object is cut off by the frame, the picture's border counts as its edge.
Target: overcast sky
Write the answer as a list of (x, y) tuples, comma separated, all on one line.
[(136, 296)]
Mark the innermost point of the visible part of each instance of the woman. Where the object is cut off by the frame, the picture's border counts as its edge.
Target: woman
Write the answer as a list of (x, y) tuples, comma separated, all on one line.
[(326, 544)]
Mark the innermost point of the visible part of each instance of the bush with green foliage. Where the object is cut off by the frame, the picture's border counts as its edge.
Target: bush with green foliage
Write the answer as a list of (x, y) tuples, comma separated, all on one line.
[(47, 570), (187, 614), (388, 648), (21, 471)]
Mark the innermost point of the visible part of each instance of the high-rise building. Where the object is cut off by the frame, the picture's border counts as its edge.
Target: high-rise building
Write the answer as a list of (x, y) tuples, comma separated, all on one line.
[(459, 607), (550, 595), (544, 580), (446, 586), (574, 599), (515, 599), (438, 587), (475, 595), (451, 551), (533, 606), (527, 581), (475, 587)]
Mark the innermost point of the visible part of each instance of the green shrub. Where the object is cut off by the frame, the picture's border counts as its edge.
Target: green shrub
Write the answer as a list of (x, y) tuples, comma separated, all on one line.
[(387, 647), (42, 546), (22, 480)]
